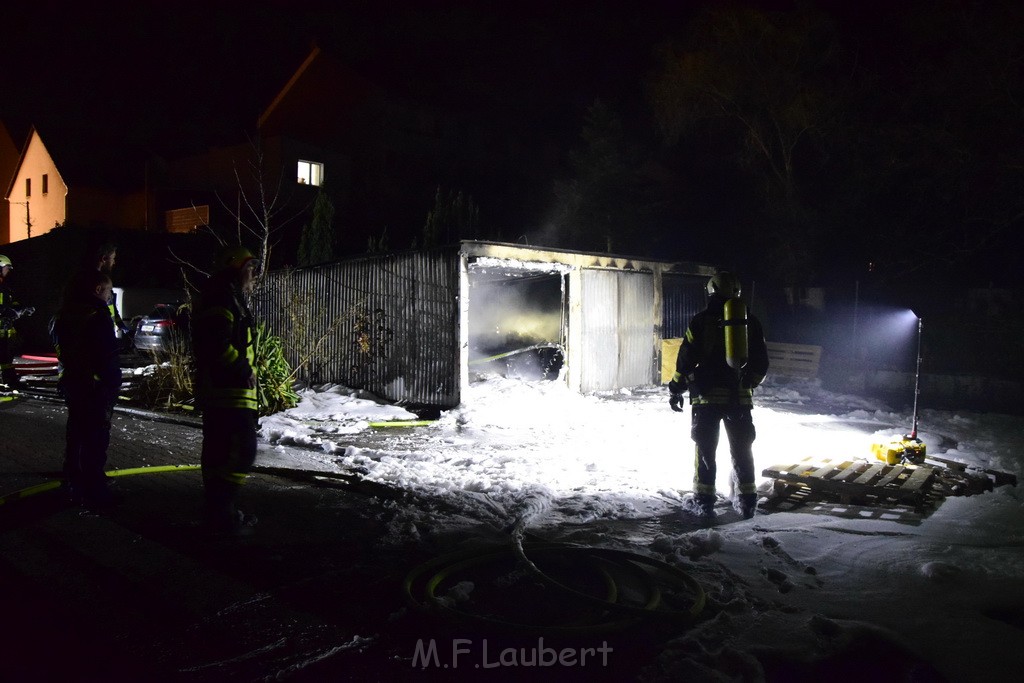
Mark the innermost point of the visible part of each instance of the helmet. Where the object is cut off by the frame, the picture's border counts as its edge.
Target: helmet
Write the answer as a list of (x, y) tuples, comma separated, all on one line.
[(724, 284), (4, 261), (232, 257)]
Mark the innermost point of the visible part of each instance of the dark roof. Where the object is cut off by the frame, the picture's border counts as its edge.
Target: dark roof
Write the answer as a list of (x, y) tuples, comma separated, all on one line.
[(322, 97), (9, 155), (87, 157)]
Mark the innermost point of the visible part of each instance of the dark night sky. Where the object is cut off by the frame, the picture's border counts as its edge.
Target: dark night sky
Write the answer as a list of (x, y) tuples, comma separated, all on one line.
[(219, 62), (162, 75), (154, 68), (174, 78)]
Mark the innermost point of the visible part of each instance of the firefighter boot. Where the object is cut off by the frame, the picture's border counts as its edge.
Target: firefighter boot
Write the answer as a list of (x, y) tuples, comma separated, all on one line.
[(12, 379), (747, 503), (701, 504)]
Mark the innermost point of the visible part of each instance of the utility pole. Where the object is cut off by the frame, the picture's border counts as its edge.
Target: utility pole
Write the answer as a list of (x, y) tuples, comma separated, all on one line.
[(28, 218)]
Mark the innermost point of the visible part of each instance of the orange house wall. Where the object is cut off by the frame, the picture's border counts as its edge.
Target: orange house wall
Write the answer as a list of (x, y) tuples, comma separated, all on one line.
[(45, 210)]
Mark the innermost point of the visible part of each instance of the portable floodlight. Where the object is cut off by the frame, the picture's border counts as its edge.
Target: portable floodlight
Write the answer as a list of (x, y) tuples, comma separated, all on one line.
[(909, 448)]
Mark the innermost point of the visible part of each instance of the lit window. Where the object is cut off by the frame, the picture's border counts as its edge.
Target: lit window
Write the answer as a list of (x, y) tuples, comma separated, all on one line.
[(310, 173), (28, 187), (46, 183)]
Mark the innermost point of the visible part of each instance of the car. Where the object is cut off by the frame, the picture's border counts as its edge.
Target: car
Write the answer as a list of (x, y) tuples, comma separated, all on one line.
[(165, 330)]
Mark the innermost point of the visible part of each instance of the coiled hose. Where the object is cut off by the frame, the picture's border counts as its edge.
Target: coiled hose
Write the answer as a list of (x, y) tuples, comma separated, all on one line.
[(619, 575)]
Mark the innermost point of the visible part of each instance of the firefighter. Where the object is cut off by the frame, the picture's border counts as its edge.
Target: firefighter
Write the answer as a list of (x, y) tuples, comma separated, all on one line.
[(102, 259), (721, 366), (10, 310), (106, 257), (89, 382), (222, 343)]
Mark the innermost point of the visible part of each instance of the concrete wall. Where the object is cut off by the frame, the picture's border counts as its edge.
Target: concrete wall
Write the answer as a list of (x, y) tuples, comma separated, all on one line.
[(941, 391)]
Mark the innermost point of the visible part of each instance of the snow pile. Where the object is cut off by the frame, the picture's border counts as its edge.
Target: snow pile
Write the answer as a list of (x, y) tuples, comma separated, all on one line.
[(331, 409), (790, 594)]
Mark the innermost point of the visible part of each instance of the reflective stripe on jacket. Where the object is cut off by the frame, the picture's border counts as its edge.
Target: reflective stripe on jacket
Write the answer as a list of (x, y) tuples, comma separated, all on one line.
[(222, 342), (8, 312), (87, 348)]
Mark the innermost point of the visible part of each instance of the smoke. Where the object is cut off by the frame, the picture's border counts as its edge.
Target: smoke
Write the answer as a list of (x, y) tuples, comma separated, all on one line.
[(549, 235), (514, 312)]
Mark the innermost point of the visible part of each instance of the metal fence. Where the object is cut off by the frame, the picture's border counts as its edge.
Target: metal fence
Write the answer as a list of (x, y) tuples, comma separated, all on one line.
[(388, 324)]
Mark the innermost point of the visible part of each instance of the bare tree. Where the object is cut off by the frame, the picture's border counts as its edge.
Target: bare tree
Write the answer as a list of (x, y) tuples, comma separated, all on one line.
[(259, 210), (262, 210), (763, 82)]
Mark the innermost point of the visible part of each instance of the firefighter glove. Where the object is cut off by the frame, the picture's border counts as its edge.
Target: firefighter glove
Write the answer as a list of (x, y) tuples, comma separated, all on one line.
[(676, 387), (749, 380)]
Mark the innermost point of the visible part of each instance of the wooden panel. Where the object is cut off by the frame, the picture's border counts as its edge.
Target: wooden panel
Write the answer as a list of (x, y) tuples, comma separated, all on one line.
[(919, 479), (896, 471), (793, 360), (869, 474), (850, 472), (830, 469), (187, 219)]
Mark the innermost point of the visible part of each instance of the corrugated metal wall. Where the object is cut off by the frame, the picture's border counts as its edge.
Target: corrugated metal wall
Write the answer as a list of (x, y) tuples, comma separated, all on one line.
[(618, 329), (683, 297), (636, 329), (599, 356), (388, 324)]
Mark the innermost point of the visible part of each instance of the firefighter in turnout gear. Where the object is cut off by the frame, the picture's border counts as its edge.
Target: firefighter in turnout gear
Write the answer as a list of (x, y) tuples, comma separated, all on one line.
[(721, 360), (10, 310), (100, 260), (89, 382), (222, 343), (106, 257)]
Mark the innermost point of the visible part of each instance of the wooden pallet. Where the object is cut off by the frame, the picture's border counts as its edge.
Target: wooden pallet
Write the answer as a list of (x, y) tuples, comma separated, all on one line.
[(793, 360), (856, 481)]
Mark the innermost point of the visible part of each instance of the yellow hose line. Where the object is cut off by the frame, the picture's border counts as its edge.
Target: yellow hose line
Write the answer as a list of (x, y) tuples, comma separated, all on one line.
[(402, 423), (55, 483), (159, 469), (440, 569), (30, 491), (152, 470)]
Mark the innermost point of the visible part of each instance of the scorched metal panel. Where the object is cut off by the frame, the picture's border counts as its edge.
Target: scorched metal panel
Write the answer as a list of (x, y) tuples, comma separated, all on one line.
[(387, 324)]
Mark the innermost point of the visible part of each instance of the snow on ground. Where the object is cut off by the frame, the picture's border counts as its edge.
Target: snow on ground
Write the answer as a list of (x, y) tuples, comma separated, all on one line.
[(947, 586)]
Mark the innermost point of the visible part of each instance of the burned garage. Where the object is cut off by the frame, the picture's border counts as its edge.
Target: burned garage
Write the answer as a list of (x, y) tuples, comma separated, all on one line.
[(418, 327)]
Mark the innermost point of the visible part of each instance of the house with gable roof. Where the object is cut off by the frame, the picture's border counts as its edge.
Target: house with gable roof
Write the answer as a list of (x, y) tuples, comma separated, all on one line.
[(378, 154), (381, 156), (69, 178)]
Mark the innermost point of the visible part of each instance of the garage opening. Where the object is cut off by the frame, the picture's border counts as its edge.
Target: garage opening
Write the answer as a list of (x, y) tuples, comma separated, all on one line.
[(517, 322)]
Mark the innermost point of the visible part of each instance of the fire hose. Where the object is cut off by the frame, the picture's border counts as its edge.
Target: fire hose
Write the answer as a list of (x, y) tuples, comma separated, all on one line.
[(618, 573)]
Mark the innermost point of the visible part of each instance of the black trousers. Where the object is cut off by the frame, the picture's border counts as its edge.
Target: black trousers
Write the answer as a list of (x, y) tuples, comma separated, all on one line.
[(739, 428), (229, 451), (87, 437)]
